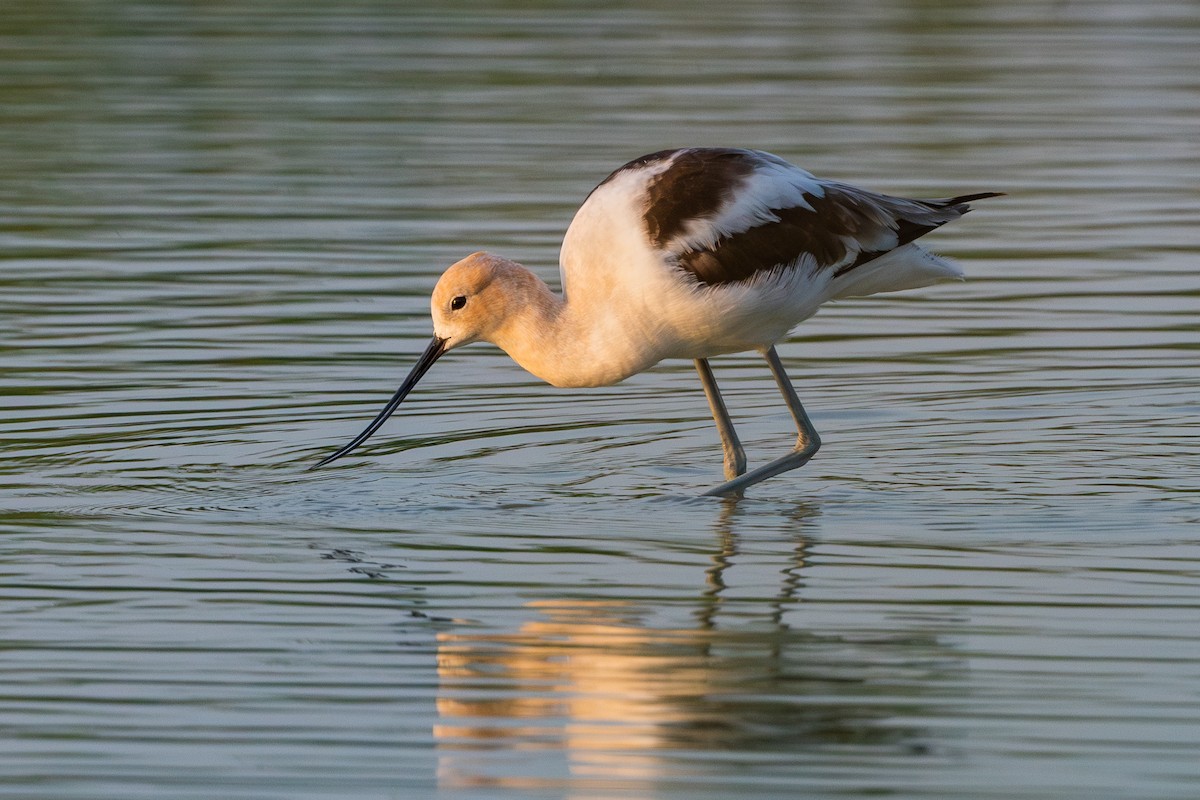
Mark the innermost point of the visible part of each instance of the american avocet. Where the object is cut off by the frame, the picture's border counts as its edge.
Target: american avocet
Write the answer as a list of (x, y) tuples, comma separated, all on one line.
[(689, 254)]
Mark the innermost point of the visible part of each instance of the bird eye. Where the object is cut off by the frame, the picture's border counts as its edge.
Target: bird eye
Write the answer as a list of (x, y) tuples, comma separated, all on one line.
[(458, 303)]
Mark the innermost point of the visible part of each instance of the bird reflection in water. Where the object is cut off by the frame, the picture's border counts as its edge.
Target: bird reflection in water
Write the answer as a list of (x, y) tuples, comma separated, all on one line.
[(596, 694)]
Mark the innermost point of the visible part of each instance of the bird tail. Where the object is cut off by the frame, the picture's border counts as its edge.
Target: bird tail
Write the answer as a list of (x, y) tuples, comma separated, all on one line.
[(907, 267), (962, 200)]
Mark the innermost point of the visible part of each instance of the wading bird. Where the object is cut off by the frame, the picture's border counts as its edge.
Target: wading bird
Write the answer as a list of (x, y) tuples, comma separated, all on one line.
[(689, 253)]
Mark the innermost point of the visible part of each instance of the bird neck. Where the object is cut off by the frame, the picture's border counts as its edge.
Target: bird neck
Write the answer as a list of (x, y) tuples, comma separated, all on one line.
[(567, 344)]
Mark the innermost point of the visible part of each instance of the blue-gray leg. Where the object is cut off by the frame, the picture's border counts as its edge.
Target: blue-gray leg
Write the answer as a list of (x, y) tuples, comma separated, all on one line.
[(807, 441), (735, 456)]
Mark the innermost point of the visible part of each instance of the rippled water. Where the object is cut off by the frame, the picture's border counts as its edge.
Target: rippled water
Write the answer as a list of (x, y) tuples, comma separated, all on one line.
[(219, 224)]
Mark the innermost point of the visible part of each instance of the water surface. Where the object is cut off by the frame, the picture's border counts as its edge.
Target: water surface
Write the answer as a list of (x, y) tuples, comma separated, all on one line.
[(219, 225)]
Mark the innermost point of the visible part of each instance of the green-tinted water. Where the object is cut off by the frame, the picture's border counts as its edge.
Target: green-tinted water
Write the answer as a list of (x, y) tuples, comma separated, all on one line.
[(219, 223)]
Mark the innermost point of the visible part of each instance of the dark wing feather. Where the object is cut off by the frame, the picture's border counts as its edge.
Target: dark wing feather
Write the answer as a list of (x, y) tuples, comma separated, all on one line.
[(911, 224), (824, 232), (698, 214)]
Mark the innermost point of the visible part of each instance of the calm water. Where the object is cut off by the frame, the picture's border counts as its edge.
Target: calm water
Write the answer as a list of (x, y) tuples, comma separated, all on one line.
[(219, 223)]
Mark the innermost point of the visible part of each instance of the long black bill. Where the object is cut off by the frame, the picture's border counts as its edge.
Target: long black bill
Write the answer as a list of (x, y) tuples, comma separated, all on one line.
[(432, 353)]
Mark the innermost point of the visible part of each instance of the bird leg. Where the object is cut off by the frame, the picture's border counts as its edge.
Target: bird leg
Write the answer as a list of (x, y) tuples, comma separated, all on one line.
[(807, 441), (735, 456)]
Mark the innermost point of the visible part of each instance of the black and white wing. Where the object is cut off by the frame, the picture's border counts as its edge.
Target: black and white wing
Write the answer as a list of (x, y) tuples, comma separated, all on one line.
[(728, 215)]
